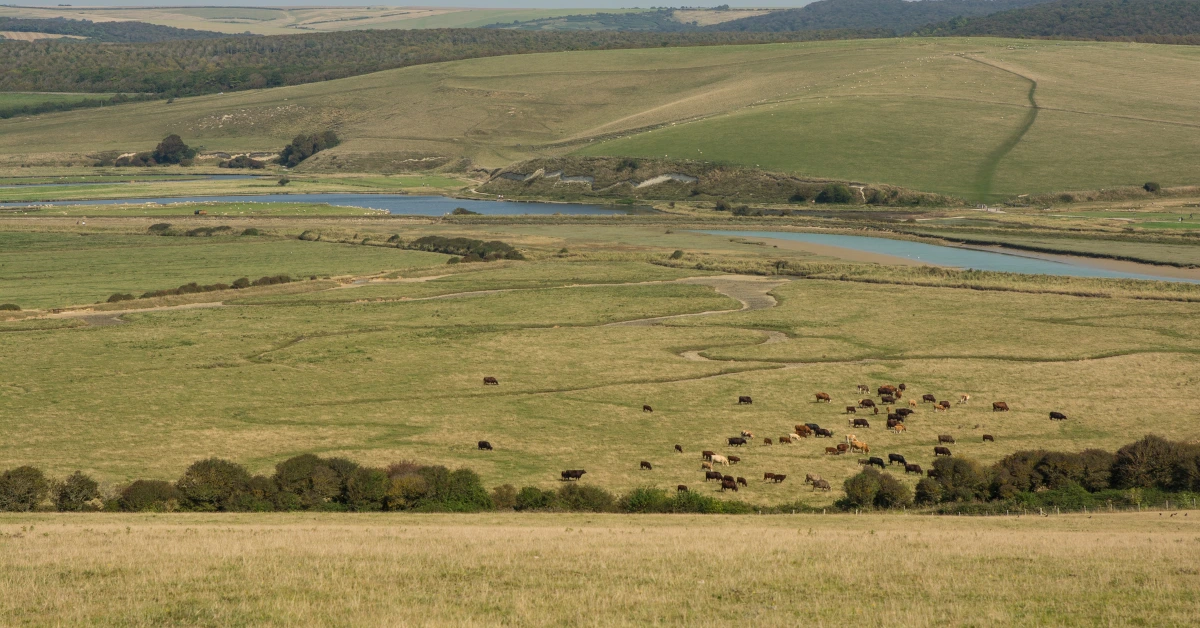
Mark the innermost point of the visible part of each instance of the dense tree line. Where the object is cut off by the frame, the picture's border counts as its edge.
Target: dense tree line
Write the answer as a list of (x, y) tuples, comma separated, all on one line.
[(661, 21), (896, 16), (68, 105), (1084, 19), (190, 67), (122, 32)]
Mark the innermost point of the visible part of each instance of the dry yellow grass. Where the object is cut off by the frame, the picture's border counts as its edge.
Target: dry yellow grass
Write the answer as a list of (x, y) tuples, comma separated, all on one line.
[(599, 570)]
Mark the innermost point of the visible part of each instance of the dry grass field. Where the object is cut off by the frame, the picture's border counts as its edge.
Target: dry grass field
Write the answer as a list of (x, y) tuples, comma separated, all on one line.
[(599, 570), (925, 114)]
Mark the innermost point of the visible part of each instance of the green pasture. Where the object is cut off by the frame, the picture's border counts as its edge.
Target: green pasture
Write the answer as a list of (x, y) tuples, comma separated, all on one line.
[(392, 368), (22, 99)]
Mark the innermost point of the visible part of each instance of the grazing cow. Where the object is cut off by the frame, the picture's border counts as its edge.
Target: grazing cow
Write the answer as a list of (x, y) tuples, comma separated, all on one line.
[(864, 388), (682, 488), (939, 408), (745, 400), (842, 448), (1058, 416), (864, 461), (875, 410), (491, 381), (822, 484), (886, 389), (706, 455), (743, 482), (483, 444), (904, 412), (945, 438), (646, 466), (734, 460), (900, 428), (736, 441), (824, 432), (679, 449), (766, 441), (707, 466), (912, 403), (747, 435), (813, 427), (720, 460), (727, 477), (896, 458), (964, 398), (712, 475), (945, 404), (779, 478), (877, 461), (823, 397), (728, 485), (999, 406), (934, 473), (768, 476), (810, 478), (647, 409), (895, 416), (866, 403), (831, 450), (851, 410), (941, 451), (861, 423), (928, 397), (785, 440), (887, 399), (572, 474), (902, 387), (912, 468), (891, 423), (988, 438)]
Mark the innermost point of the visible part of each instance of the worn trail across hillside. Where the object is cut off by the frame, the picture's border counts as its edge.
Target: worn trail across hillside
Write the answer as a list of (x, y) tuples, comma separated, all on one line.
[(991, 163)]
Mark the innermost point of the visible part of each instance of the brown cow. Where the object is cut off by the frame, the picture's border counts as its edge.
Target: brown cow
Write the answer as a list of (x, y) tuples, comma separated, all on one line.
[(851, 410), (734, 460), (491, 381), (912, 403), (861, 423), (945, 438), (804, 431), (988, 438), (900, 428), (706, 466), (913, 468), (768, 476), (822, 484), (746, 434), (941, 451), (712, 475), (766, 441), (779, 478), (866, 403), (785, 440), (964, 398), (928, 397), (1058, 416), (945, 404), (902, 387), (886, 389), (999, 406), (728, 485), (743, 482), (679, 449), (707, 455), (682, 488), (939, 408), (864, 388), (646, 466), (728, 477), (887, 399), (810, 478), (842, 448), (823, 397), (647, 409), (831, 450), (744, 400)]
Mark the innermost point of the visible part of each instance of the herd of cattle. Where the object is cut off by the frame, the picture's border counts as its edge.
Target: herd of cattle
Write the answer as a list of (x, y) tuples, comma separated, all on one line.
[(889, 395)]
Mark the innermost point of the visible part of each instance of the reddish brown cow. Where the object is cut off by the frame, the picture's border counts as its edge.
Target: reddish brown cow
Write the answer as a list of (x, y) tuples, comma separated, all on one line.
[(682, 488), (679, 449), (866, 403), (831, 450), (728, 485), (999, 406), (779, 478), (785, 440), (851, 410), (745, 400), (988, 438), (707, 455), (768, 476), (491, 381), (842, 448), (743, 482), (766, 441), (823, 397), (945, 438)]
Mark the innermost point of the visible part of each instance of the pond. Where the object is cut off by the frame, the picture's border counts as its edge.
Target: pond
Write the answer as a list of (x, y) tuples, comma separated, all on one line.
[(960, 257), (402, 204)]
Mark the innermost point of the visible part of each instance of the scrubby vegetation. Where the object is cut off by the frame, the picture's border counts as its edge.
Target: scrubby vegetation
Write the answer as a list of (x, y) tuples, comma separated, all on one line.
[(894, 16), (469, 250), (123, 31), (171, 150), (305, 146), (243, 161), (193, 287)]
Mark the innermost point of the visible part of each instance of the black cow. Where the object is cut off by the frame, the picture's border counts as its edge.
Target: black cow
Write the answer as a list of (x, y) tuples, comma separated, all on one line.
[(896, 458), (646, 466), (736, 441), (778, 477), (887, 399), (934, 473), (491, 381), (572, 474), (483, 444), (928, 397), (876, 460), (812, 426), (903, 412), (744, 400), (862, 423), (824, 432), (1058, 416), (743, 482), (679, 449), (912, 468), (945, 438), (866, 403), (647, 409), (682, 488), (941, 451), (988, 438), (903, 387)]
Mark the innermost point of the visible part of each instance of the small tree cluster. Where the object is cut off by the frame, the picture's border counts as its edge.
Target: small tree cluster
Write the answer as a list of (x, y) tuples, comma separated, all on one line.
[(171, 150), (194, 288), (305, 146), (470, 250)]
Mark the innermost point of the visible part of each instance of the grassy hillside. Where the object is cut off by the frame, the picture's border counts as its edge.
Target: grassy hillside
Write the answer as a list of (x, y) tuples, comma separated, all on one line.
[(942, 115)]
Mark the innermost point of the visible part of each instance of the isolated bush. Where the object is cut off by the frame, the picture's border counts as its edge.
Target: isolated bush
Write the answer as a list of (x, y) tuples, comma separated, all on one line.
[(159, 228), (644, 500), (463, 211), (74, 493), (251, 232), (305, 146), (117, 297), (678, 254), (1152, 187), (172, 150), (213, 485), (243, 161), (1146, 463), (310, 236), (862, 488), (799, 196), (585, 498), (504, 497), (929, 491), (10, 307), (141, 160), (283, 181), (835, 193), (22, 489), (149, 496), (722, 206), (454, 260), (533, 498)]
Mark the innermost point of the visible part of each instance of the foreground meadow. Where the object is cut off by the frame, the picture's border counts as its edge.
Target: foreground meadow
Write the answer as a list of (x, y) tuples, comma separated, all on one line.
[(594, 570)]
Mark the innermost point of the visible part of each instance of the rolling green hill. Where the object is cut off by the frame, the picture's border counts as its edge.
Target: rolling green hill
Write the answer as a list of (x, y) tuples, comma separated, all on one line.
[(942, 115)]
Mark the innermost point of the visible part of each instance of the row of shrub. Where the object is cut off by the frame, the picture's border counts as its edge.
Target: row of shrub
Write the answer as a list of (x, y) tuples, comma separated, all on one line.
[(1092, 476), (194, 288), (171, 150)]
